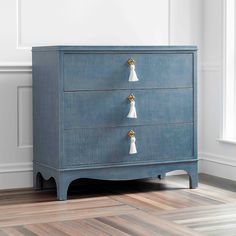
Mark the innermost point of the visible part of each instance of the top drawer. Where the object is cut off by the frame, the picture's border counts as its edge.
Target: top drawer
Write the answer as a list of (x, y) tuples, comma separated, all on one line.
[(101, 71)]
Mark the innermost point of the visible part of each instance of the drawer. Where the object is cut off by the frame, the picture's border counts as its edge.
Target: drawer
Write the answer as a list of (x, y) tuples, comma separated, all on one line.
[(110, 108), (111, 71), (111, 145)]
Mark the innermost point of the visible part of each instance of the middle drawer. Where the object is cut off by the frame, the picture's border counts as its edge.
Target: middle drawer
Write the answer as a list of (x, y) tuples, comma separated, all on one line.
[(110, 108)]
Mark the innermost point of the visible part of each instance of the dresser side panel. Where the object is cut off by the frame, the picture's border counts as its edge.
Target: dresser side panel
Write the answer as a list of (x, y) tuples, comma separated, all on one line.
[(46, 108), (195, 103)]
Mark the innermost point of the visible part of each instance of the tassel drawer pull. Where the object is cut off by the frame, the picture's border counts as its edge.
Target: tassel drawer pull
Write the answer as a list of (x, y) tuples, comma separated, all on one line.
[(132, 149), (132, 112), (132, 76)]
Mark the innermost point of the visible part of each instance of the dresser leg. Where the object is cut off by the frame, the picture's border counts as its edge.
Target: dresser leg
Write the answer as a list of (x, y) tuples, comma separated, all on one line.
[(37, 181), (193, 179), (162, 176), (61, 195), (62, 189)]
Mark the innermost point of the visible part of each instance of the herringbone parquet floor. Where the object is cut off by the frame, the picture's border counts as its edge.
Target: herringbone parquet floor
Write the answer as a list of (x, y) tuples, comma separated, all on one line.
[(147, 207)]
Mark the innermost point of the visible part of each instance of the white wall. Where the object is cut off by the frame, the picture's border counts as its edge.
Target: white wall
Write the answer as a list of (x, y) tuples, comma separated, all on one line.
[(24, 23), (218, 158)]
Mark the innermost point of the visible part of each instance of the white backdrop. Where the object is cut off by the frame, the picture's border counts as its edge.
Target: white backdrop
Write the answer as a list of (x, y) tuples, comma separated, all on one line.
[(25, 23), (219, 158)]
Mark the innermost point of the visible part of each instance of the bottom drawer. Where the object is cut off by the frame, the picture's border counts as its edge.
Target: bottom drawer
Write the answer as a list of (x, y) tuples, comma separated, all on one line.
[(111, 145)]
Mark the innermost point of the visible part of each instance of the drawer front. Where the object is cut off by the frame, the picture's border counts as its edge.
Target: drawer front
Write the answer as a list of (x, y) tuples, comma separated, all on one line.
[(108, 146), (110, 108), (111, 71)]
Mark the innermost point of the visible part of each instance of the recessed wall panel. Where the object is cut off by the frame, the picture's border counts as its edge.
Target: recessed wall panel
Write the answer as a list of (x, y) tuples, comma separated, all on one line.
[(25, 124)]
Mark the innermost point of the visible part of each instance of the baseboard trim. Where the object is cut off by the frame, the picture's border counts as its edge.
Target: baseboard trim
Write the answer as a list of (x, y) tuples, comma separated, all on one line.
[(218, 159), (220, 166), (19, 175), (16, 175)]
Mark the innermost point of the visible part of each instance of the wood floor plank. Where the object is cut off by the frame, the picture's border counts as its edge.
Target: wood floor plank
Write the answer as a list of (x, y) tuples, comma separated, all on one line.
[(209, 210), (62, 216), (12, 232), (151, 202), (137, 203), (164, 226), (205, 189), (91, 200), (105, 227), (25, 231), (45, 208), (68, 228), (2, 233), (163, 201), (84, 228), (37, 230), (128, 227), (209, 220)]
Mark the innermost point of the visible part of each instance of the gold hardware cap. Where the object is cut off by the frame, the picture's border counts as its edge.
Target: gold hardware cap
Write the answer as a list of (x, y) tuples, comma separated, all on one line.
[(131, 97), (131, 61), (131, 133)]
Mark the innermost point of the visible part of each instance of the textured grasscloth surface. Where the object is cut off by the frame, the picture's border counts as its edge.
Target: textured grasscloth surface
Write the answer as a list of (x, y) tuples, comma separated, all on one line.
[(110, 108), (137, 208), (111, 145), (110, 70)]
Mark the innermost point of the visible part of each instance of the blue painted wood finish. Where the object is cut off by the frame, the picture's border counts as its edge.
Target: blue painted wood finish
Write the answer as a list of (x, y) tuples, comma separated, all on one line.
[(111, 145), (110, 108), (80, 107), (110, 71)]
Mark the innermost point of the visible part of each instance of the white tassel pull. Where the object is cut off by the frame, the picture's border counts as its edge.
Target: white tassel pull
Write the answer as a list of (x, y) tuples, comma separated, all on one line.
[(132, 76), (132, 111), (132, 148)]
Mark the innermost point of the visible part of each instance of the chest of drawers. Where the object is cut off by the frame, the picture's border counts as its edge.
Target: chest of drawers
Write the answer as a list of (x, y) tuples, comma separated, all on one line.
[(80, 107)]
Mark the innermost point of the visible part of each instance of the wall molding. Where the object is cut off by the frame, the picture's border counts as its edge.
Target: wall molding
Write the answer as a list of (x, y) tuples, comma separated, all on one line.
[(18, 27), (16, 167), (15, 67), (19, 129), (227, 141), (27, 67), (18, 17)]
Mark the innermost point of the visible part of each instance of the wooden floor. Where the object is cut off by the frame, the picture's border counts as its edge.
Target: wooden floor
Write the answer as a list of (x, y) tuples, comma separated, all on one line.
[(147, 207)]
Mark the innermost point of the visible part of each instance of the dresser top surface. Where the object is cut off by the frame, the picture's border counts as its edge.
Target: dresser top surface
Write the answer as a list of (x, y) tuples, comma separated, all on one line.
[(115, 48)]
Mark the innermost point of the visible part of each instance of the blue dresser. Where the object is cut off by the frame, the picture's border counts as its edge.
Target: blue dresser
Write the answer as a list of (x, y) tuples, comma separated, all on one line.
[(114, 113)]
